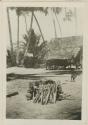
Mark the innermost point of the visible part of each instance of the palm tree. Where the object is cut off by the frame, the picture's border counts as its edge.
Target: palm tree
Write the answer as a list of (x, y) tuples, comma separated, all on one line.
[(58, 24), (17, 55), (10, 36), (75, 15), (32, 10), (69, 14), (54, 23), (25, 21), (26, 49), (24, 14), (39, 27), (55, 11), (18, 15)]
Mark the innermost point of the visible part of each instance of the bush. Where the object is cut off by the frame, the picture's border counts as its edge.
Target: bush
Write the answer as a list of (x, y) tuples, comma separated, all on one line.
[(29, 62)]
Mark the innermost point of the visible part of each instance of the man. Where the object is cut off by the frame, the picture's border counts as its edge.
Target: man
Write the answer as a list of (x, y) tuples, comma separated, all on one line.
[(73, 75)]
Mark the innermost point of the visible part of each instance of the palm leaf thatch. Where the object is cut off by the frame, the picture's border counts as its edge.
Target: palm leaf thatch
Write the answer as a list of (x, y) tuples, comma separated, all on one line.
[(64, 48)]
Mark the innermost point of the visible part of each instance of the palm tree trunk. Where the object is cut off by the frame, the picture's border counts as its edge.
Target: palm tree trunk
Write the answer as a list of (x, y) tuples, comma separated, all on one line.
[(58, 24), (26, 48), (55, 28), (54, 24), (17, 56), (75, 21), (25, 22), (29, 35), (39, 27), (10, 35)]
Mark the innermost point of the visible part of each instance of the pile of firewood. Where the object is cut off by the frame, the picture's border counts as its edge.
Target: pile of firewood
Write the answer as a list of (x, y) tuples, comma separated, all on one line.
[(44, 92)]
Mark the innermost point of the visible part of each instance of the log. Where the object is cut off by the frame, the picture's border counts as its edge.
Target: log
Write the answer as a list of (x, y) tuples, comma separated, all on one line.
[(47, 97), (12, 94)]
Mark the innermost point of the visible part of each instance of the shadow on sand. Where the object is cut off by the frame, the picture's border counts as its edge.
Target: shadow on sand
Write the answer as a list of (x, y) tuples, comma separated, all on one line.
[(13, 76)]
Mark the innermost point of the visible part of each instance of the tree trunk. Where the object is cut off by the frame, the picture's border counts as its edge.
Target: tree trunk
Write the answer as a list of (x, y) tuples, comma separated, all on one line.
[(55, 28), (10, 36), (54, 25), (39, 27), (75, 13), (29, 35), (17, 56), (26, 48), (58, 24), (25, 22)]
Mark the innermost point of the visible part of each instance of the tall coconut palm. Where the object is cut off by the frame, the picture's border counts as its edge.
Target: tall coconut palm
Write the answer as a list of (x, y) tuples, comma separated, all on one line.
[(75, 15), (10, 36), (17, 56), (26, 10), (69, 15), (39, 27), (54, 24), (56, 11), (18, 15), (19, 11), (58, 24), (32, 10), (24, 14), (18, 19), (26, 49), (25, 22)]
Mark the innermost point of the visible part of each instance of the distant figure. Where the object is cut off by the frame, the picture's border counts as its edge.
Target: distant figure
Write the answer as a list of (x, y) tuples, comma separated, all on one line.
[(73, 75)]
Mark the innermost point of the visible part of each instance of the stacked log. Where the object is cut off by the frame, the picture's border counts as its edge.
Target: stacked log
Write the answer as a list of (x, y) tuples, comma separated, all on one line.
[(44, 92), (30, 91)]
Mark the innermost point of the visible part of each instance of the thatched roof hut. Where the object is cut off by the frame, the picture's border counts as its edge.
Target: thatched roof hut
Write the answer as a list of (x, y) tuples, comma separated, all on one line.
[(67, 48)]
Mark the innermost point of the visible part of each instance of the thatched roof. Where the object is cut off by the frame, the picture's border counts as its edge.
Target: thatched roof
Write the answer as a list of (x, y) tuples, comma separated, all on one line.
[(64, 48)]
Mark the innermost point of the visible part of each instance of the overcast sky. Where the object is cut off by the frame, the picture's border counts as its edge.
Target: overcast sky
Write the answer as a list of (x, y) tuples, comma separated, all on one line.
[(69, 28)]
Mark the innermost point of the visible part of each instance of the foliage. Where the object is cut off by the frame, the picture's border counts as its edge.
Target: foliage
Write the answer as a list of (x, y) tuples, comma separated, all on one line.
[(36, 47), (68, 15), (11, 61), (56, 10), (21, 10)]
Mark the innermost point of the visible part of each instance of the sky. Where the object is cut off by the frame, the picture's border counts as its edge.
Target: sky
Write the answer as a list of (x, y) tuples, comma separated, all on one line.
[(68, 28)]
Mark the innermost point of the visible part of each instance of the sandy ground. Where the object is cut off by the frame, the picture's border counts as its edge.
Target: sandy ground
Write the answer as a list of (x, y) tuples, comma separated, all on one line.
[(17, 107)]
